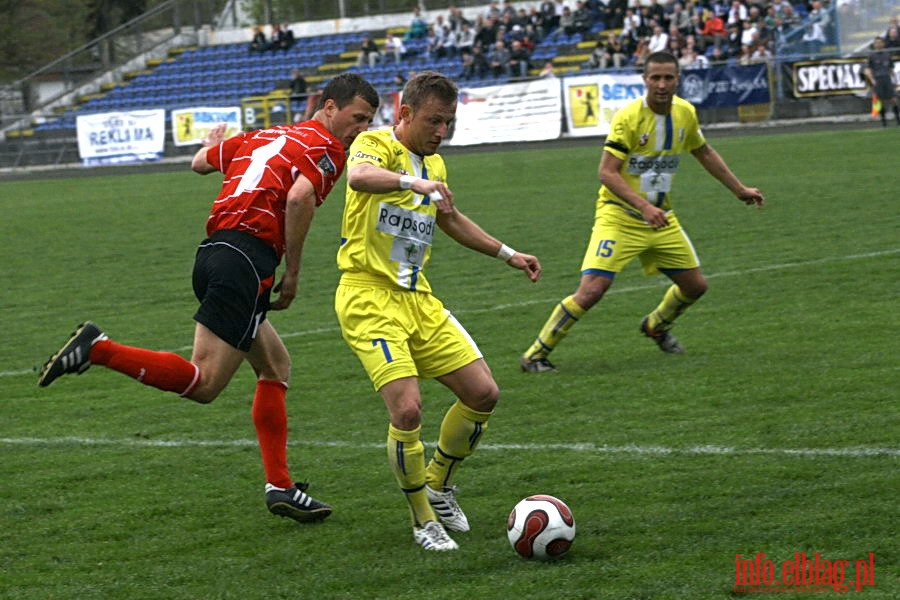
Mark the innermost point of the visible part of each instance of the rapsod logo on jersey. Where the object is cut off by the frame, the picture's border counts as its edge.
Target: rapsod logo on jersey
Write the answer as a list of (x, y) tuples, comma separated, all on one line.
[(401, 222), (413, 232), (658, 164)]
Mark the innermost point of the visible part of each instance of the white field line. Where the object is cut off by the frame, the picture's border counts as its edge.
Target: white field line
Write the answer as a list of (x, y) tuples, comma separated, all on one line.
[(613, 290), (586, 448)]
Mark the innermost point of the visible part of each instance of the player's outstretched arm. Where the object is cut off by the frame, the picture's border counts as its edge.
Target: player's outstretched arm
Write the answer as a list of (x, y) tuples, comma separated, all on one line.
[(716, 166), (467, 233), (199, 164)]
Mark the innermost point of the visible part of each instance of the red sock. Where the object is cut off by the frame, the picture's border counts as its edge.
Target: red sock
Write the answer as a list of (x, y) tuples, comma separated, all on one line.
[(163, 370), (270, 418)]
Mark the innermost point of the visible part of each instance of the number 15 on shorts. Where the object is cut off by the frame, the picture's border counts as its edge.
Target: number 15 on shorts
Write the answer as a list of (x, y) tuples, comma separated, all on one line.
[(605, 248)]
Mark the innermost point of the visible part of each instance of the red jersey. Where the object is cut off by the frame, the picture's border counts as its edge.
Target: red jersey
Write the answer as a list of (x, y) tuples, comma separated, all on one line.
[(261, 166)]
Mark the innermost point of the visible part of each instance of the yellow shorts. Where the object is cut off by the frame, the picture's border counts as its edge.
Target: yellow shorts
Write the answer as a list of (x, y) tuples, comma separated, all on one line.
[(616, 240), (398, 334)]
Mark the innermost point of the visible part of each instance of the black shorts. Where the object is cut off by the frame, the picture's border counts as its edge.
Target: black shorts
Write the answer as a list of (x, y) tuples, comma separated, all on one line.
[(885, 89), (233, 277)]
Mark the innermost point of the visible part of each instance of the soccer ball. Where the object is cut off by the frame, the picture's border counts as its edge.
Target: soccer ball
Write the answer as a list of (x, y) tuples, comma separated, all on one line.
[(541, 527)]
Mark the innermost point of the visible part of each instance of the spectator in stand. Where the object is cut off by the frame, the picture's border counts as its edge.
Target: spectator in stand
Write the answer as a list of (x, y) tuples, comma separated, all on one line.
[(456, 19), (630, 24), (400, 80), (486, 29), (476, 65), (596, 55), (813, 38), (451, 46), (690, 59), (566, 23), (789, 18), (465, 39), (287, 39), (549, 20), (645, 27), (418, 27), (744, 55), (434, 44), (582, 18), (717, 56), (674, 47), (656, 12), (749, 31), (737, 14), (519, 58), (547, 71), (259, 43), (641, 52), (761, 53), (659, 41), (680, 19), (498, 59), (892, 38), (733, 42), (696, 31), (276, 37), (298, 96), (822, 16), (393, 46), (614, 13), (368, 52), (893, 24), (714, 32), (613, 53)]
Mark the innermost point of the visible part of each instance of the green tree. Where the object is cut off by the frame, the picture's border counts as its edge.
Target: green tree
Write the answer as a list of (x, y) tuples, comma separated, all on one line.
[(35, 32)]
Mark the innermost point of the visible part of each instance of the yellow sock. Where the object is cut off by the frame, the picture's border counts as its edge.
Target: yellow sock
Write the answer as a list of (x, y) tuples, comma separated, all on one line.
[(555, 329), (461, 431), (406, 455), (673, 304)]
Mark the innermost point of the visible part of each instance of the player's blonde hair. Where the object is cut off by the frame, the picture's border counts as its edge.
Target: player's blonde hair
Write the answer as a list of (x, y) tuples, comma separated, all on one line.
[(428, 84)]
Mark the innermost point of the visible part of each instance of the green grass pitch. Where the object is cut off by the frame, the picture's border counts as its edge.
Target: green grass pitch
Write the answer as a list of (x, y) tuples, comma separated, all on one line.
[(776, 433)]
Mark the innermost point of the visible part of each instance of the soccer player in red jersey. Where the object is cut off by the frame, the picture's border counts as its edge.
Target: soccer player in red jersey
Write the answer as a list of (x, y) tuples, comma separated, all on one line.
[(273, 181)]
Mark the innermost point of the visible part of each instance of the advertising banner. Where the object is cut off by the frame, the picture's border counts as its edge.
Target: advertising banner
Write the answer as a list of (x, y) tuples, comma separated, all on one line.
[(736, 85), (192, 125), (592, 100), (516, 112), (811, 78), (121, 137)]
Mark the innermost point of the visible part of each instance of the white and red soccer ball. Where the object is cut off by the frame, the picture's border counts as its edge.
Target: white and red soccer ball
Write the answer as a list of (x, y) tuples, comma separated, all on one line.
[(541, 527)]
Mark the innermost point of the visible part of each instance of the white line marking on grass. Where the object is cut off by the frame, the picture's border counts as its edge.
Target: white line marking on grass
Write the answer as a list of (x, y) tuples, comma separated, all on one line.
[(613, 290), (587, 448)]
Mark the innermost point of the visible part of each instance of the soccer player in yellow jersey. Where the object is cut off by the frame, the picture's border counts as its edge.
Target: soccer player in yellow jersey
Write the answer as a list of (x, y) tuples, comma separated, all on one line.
[(634, 216), (397, 195)]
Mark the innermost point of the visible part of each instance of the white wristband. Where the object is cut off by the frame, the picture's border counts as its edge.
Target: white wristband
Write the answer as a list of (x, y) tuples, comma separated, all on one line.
[(505, 253), (406, 181)]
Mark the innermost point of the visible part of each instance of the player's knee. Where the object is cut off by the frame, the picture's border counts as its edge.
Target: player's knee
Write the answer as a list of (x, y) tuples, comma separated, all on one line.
[(204, 394), (407, 415), (279, 370), (696, 289), (485, 398)]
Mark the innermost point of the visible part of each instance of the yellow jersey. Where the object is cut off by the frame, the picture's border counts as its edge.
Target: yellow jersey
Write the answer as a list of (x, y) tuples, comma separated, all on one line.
[(386, 238), (650, 145)]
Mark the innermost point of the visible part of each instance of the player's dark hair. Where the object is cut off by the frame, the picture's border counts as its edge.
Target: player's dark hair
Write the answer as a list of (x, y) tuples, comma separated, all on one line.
[(662, 57), (345, 87), (427, 84)]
